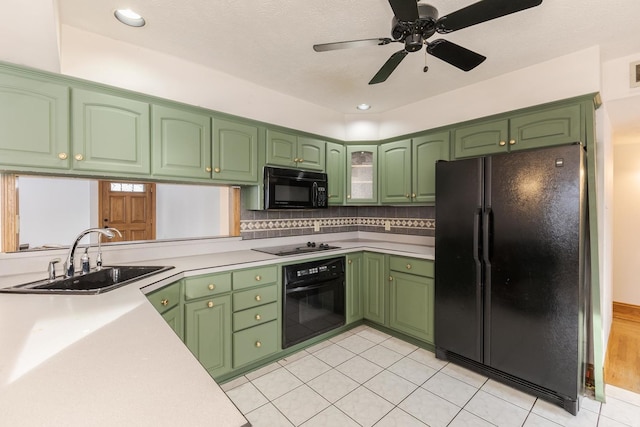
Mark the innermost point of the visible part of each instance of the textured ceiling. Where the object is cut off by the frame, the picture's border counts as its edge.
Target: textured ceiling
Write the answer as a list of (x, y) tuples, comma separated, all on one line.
[(270, 42)]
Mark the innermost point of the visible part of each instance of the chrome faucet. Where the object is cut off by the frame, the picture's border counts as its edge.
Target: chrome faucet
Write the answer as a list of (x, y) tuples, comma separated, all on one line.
[(69, 265)]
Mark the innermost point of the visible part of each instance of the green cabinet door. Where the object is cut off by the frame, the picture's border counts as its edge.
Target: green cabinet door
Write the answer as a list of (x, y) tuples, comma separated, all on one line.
[(181, 143), (208, 333), (34, 123), (282, 149), (395, 172), (552, 126), (481, 139), (335, 168), (173, 317), (235, 152), (362, 174), (354, 296), (311, 153), (109, 133), (374, 289), (426, 151), (411, 301)]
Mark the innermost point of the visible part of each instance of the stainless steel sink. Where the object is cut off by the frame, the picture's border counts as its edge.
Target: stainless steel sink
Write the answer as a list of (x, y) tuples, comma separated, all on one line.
[(96, 282)]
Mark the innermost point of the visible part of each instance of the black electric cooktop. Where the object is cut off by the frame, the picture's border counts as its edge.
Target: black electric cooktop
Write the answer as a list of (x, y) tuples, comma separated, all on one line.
[(299, 248)]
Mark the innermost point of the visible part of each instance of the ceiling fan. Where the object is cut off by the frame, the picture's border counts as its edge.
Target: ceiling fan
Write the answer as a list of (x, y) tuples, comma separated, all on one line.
[(413, 23)]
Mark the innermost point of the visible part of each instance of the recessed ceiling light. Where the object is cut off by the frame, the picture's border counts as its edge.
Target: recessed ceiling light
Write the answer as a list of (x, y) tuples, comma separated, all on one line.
[(129, 17), (363, 107)]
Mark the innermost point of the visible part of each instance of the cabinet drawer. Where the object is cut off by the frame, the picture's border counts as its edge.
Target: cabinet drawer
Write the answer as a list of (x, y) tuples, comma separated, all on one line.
[(255, 343), (254, 277), (165, 298), (255, 316), (210, 284), (254, 297), (420, 267)]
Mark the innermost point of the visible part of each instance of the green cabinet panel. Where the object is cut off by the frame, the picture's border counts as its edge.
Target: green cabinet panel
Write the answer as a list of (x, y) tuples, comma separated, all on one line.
[(426, 151), (109, 133), (417, 266), (255, 343), (362, 174), (167, 301), (235, 152), (292, 151), (335, 173), (208, 333), (173, 317), (181, 143), (553, 126), (34, 123), (374, 289), (411, 301), (481, 139), (354, 291), (255, 316), (207, 285), (395, 171), (254, 297), (250, 277)]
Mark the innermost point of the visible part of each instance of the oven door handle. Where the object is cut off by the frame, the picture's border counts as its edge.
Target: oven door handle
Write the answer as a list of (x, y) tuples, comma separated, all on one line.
[(307, 288)]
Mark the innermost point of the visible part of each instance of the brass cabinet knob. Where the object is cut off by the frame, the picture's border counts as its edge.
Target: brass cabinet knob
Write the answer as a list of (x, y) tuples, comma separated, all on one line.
[(164, 302), (217, 170), (258, 298), (210, 304), (258, 278), (502, 143), (406, 195), (207, 169), (408, 266), (78, 157), (512, 142), (300, 160), (413, 195), (349, 262), (391, 278), (258, 344), (348, 196), (258, 317), (212, 286), (296, 160), (63, 156)]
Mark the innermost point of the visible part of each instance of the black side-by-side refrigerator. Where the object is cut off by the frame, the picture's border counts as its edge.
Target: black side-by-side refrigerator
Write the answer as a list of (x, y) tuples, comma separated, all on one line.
[(510, 248)]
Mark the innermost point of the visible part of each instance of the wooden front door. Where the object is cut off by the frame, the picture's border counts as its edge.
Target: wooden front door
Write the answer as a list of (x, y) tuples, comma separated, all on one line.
[(130, 207)]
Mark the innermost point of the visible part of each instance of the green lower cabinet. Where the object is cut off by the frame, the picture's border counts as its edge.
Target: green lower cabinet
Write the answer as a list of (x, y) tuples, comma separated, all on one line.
[(208, 333), (167, 301), (255, 343), (354, 298), (173, 317), (411, 305), (374, 289)]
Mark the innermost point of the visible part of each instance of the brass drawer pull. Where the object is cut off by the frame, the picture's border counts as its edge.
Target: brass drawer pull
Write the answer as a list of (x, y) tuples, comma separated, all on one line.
[(217, 170), (391, 278), (79, 157), (207, 169), (258, 317), (258, 344), (408, 266), (210, 304), (164, 302), (258, 298), (62, 156), (502, 143), (512, 142), (212, 286), (258, 278)]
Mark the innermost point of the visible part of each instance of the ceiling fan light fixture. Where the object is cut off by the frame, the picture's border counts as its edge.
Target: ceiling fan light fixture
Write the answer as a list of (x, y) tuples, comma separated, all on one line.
[(129, 17), (363, 107)]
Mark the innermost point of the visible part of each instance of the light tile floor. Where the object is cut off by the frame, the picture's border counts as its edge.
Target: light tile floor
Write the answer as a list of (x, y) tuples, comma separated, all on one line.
[(364, 377)]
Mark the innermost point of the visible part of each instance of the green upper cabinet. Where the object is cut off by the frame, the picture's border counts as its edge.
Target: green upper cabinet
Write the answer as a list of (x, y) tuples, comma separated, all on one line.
[(426, 150), (481, 139), (235, 151), (362, 174), (34, 123), (181, 143), (335, 173), (408, 168), (293, 151), (395, 171), (553, 125), (109, 133)]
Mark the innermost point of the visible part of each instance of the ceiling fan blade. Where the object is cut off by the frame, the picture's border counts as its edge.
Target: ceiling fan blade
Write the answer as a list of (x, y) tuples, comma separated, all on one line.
[(350, 44), (482, 11), (405, 10), (388, 67), (455, 55)]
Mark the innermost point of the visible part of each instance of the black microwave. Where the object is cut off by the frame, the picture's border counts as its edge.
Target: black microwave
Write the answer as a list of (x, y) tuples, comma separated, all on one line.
[(294, 189)]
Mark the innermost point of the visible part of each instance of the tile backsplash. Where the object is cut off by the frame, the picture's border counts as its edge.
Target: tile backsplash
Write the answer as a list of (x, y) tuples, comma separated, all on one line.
[(414, 220)]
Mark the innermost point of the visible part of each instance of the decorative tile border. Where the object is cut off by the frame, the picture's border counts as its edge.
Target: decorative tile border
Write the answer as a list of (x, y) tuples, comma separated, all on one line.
[(333, 223)]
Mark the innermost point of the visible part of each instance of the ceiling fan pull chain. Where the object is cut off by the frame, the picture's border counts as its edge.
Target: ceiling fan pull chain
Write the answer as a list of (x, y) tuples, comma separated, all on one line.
[(426, 67)]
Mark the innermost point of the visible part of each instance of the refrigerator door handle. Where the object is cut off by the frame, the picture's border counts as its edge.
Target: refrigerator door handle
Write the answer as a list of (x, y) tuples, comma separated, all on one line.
[(486, 236), (476, 236)]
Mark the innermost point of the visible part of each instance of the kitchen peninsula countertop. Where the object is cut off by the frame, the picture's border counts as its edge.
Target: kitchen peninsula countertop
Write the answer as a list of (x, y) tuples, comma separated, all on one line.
[(111, 359)]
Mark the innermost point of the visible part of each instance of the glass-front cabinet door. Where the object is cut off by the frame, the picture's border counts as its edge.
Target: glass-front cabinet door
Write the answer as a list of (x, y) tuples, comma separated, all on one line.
[(362, 174)]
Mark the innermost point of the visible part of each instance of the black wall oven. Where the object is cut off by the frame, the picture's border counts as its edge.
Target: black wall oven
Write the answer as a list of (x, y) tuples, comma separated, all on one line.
[(294, 189), (314, 299)]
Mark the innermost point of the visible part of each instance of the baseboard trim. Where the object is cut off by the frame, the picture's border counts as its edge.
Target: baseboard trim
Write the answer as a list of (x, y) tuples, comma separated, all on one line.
[(626, 311)]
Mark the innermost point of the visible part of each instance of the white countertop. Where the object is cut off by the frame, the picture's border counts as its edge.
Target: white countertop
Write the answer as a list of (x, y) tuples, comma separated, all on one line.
[(111, 359)]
